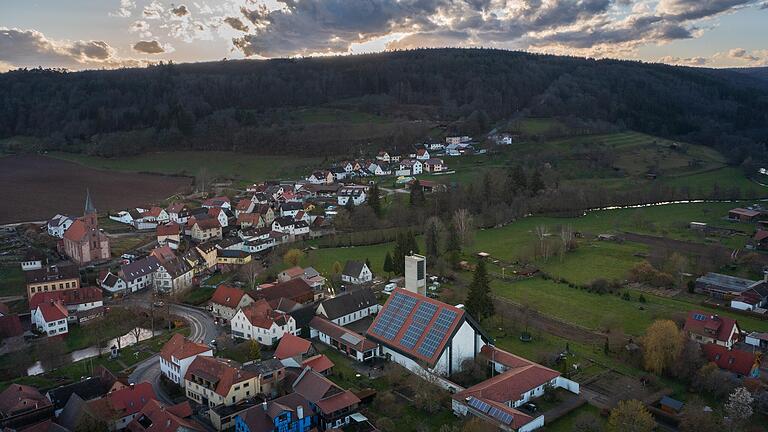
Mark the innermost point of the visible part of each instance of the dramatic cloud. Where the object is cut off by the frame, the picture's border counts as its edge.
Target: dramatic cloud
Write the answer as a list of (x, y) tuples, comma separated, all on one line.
[(181, 10), (149, 47), (742, 54), (30, 48), (125, 10), (153, 10), (236, 24), (141, 27)]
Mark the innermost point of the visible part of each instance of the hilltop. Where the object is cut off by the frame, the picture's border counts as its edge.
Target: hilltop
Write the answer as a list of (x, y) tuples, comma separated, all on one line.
[(339, 105)]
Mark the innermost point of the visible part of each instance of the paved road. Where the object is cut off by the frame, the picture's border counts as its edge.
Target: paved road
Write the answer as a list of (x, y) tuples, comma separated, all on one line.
[(202, 330)]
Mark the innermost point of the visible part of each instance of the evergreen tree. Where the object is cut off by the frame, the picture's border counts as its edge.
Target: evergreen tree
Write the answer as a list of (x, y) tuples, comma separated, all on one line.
[(479, 303), (388, 264), (517, 180), (432, 234), (374, 200), (398, 255), (412, 246)]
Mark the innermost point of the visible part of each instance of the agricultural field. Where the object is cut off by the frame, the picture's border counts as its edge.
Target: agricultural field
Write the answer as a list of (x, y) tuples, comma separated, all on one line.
[(11, 280), (238, 166), (58, 186)]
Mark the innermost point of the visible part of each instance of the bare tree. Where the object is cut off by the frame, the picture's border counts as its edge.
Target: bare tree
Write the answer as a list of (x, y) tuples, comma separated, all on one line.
[(463, 223), (202, 179), (566, 237), (542, 233), (250, 273)]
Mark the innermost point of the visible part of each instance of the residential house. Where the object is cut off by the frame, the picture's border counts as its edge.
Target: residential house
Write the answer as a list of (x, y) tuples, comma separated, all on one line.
[(333, 405), (259, 322), (383, 157), (50, 318), (356, 272), (269, 373), (177, 354), (118, 408), (248, 220), (284, 224), (157, 417), (706, 328), (436, 146), (87, 389), (742, 363), (290, 274), (413, 166), (217, 202), (219, 214), (169, 234), (344, 340), (287, 413), (354, 195), (245, 206), (458, 139), (138, 274), (497, 399), (23, 405), (228, 259), (425, 335), (155, 215), (349, 307), (83, 242), (226, 301), (82, 304), (113, 284), (267, 213), (321, 177), (433, 165), (58, 225), (178, 213), (378, 169), (209, 254), (205, 229), (297, 290), (212, 381), (291, 208), (56, 277), (422, 154), (339, 173), (292, 346)]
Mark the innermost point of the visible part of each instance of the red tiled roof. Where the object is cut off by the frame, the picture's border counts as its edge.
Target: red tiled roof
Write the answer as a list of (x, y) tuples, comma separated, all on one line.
[(297, 290), (175, 208), (294, 272), (131, 399), (206, 224), (168, 229), (76, 231), (261, 315), (323, 392), (227, 295), (341, 334), (156, 417), (68, 297), (19, 397), (718, 327), (181, 348), (225, 373), (249, 218), (500, 356), (405, 321), (154, 212), (744, 212), (737, 361), (244, 204), (319, 363), (760, 235), (53, 311), (291, 346)]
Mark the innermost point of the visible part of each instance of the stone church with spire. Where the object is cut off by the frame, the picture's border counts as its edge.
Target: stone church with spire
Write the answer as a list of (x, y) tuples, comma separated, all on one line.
[(83, 242)]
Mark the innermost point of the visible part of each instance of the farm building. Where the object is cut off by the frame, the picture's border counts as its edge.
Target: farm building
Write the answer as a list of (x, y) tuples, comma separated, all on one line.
[(743, 215), (724, 286)]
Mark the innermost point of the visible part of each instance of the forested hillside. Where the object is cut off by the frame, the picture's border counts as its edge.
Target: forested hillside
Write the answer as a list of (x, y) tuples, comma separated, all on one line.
[(257, 105)]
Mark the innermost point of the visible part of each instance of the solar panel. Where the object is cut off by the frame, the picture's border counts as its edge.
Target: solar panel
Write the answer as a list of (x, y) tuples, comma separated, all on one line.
[(699, 317), (421, 318), (437, 333), (500, 415), (478, 404), (392, 318)]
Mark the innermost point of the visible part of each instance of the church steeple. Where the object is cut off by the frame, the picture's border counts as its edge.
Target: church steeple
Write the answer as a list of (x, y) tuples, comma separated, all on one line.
[(89, 208)]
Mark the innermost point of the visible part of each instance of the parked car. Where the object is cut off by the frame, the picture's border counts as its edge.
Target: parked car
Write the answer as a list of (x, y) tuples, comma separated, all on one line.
[(390, 287)]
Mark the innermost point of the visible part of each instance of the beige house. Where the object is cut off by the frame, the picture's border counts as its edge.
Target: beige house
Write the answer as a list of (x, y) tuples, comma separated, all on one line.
[(52, 278), (212, 382), (206, 229), (226, 301)]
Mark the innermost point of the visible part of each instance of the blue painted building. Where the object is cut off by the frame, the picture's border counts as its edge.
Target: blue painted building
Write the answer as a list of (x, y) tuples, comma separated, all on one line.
[(289, 413)]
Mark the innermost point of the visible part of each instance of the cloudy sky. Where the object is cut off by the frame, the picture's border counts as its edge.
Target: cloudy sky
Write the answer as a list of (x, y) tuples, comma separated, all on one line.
[(86, 34)]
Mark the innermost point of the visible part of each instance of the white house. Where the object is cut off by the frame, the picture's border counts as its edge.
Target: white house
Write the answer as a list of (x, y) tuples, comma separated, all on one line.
[(321, 177), (139, 274), (516, 381), (377, 169), (437, 339), (356, 272), (82, 304), (354, 194), (283, 224), (123, 216), (422, 154), (33, 260), (226, 301), (259, 322), (457, 139), (176, 356), (383, 157), (58, 225), (220, 215), (173, 276), (436, 146), (51, 318), (415, 166), (349, 307), (178, 213), (342, 339)]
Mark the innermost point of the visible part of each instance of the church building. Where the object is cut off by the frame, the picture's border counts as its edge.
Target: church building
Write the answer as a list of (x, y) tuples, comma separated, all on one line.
[(83, 242)]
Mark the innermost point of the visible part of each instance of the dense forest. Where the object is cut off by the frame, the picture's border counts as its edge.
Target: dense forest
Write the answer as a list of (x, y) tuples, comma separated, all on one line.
[(247, 105)]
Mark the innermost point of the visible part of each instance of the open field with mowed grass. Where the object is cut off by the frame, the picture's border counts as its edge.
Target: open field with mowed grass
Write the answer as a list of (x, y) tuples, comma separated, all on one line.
[(322, 259), (240, 166), (12, 281), (596, 311)]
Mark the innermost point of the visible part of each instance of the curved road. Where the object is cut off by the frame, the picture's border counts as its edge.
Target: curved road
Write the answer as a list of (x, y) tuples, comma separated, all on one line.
[(202, 330)]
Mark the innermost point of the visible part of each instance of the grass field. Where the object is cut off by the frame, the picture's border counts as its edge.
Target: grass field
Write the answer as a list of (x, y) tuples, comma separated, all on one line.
[(333, 115), (322, 259), (239, 166), (593, 260), (11, 280), (595, 311)]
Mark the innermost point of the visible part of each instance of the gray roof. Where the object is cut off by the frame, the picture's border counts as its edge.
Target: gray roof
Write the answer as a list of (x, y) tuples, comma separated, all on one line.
[(89, 388), (346, 304), (139, 268), (265, 366), (353, 268), (731, 283)]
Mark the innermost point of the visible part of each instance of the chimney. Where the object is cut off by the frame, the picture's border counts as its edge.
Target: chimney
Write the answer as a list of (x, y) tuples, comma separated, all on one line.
[(300, 412)]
